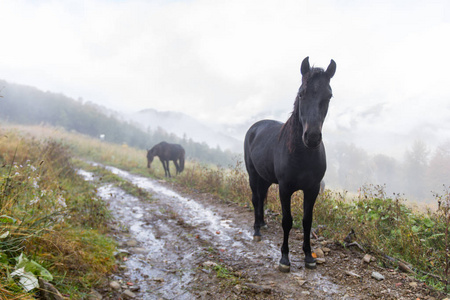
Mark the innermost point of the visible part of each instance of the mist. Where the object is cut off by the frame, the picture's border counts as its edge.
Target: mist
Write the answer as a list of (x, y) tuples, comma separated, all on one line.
[(218, 67)]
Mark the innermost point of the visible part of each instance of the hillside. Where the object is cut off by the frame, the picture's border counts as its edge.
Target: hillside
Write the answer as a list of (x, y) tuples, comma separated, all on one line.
[(30, 106), (183, 125)]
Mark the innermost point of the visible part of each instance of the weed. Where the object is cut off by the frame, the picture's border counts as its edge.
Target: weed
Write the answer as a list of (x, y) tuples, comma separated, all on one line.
[(384, 224), (47, 213)]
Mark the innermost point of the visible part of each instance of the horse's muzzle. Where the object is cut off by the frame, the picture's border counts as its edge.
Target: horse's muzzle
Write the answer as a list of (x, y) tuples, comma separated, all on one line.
[(312, 139)]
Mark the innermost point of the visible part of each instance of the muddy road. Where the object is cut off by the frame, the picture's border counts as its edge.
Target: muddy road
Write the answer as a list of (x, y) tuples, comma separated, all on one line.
[(187, 245)]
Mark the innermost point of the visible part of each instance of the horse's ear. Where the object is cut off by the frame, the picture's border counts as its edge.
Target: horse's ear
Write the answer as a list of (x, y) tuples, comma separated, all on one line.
[(331, 69), (304, 69)]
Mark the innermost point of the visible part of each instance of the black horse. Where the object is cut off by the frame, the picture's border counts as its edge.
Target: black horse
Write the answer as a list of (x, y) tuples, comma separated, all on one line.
[(167, 152), (293, 155)]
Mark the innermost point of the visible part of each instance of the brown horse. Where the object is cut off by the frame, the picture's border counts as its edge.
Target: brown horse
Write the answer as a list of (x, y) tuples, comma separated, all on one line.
[(167, 152)]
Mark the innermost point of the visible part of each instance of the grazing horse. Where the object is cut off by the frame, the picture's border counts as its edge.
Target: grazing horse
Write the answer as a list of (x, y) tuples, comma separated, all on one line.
[(167, 152), (292, 155)]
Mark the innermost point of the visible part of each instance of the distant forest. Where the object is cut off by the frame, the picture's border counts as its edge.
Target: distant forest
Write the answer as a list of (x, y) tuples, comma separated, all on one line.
[(418, 175), (30, 106), (420, 172)]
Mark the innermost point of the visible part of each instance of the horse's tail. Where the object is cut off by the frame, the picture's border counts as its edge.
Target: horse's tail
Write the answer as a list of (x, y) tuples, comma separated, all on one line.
[(182, 161)]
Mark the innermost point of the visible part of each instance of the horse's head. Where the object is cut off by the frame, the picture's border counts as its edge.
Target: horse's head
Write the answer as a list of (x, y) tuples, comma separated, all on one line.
[(150, 157), (314, 96)]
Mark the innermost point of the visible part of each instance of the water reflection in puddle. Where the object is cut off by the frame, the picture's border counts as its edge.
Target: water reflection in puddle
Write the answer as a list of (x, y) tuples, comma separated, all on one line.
[(217, 230), (149, 266)]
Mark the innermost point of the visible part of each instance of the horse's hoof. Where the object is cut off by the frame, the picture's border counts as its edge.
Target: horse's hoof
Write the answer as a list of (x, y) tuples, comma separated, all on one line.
[(284, 268), (310, 265), (257, 238)]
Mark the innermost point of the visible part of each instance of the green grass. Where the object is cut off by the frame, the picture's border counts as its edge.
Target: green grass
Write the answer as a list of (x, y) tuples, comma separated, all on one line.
[(50, 215), (384, 225)]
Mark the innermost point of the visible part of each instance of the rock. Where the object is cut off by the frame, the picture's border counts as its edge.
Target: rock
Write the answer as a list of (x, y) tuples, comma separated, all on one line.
[(138, 250), (115, 285), (121, 253), (134, 288), (237, 289), (127, 294), (132, 243), (306, 293), (413, 284), (319, 253), (404, 268), (326, 250), (259, 288), (377, 276), (208, 264), (48, 291), (352, 274), (301, 281), (94, 295), (320, 260), (367, 258)]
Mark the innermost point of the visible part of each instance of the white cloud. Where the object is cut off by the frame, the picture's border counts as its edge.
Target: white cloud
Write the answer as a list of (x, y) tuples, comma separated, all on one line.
[(227, 61)]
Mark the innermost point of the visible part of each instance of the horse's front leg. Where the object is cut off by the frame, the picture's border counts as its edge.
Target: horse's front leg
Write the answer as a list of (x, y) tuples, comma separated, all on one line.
[(168, 168), (285, 198), (165, 168), (308, 205)]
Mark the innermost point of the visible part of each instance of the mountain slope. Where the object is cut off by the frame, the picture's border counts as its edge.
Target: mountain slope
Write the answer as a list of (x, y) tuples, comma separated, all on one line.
[(184, 125)]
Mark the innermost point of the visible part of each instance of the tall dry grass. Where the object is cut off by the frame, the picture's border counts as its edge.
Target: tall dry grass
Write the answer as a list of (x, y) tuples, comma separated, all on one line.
[(49, 215), (386, 226)]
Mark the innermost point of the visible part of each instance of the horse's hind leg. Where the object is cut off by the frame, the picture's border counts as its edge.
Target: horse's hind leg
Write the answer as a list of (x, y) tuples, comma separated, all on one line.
[(177, 167), (308, 205), (259, 193)]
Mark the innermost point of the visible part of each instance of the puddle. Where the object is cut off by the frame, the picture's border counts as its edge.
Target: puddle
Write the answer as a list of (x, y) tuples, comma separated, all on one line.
[(220, 231), (163, 261)]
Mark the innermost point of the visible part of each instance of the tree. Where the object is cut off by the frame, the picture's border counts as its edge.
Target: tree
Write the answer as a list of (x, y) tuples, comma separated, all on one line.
[(415, 167), (438, 170)]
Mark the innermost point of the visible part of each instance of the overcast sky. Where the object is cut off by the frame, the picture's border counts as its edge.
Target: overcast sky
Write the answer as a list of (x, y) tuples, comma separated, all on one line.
[(229, 61)]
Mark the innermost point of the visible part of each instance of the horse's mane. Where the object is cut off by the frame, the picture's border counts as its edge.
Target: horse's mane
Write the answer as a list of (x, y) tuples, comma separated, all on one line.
[(292, 130)]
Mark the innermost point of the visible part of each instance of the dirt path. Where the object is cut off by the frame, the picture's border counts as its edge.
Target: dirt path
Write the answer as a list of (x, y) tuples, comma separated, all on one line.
[(182, 245)]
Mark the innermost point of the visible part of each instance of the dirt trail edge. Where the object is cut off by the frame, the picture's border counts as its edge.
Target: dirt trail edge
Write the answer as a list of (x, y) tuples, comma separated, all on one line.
[(180, 246)]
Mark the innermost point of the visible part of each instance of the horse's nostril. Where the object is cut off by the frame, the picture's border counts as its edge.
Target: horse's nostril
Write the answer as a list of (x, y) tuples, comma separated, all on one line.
[(314, 136)]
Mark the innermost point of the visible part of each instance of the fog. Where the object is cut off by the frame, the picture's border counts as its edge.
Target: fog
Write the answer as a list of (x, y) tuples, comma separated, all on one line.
[(226, 64)]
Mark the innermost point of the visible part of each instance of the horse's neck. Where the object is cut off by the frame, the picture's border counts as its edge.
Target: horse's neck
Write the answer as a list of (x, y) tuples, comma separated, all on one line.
[(292, 133)]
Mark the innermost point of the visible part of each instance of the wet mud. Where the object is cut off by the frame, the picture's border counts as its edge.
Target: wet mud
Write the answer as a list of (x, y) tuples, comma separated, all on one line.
[(187, 245)]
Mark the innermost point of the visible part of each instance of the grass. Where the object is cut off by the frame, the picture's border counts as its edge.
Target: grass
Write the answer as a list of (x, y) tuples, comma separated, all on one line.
[(51, 216), (384, 225)]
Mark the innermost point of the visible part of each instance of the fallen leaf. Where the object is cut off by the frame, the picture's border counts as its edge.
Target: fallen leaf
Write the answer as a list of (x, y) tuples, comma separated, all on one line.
[(314, 255)]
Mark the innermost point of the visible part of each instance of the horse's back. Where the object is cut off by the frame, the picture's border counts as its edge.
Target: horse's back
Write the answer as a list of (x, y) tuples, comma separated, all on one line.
[(175, 151), (268, 128), (259, 146)]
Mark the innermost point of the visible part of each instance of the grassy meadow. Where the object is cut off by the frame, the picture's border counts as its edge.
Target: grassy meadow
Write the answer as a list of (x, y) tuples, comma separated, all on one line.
[(52, 217)]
